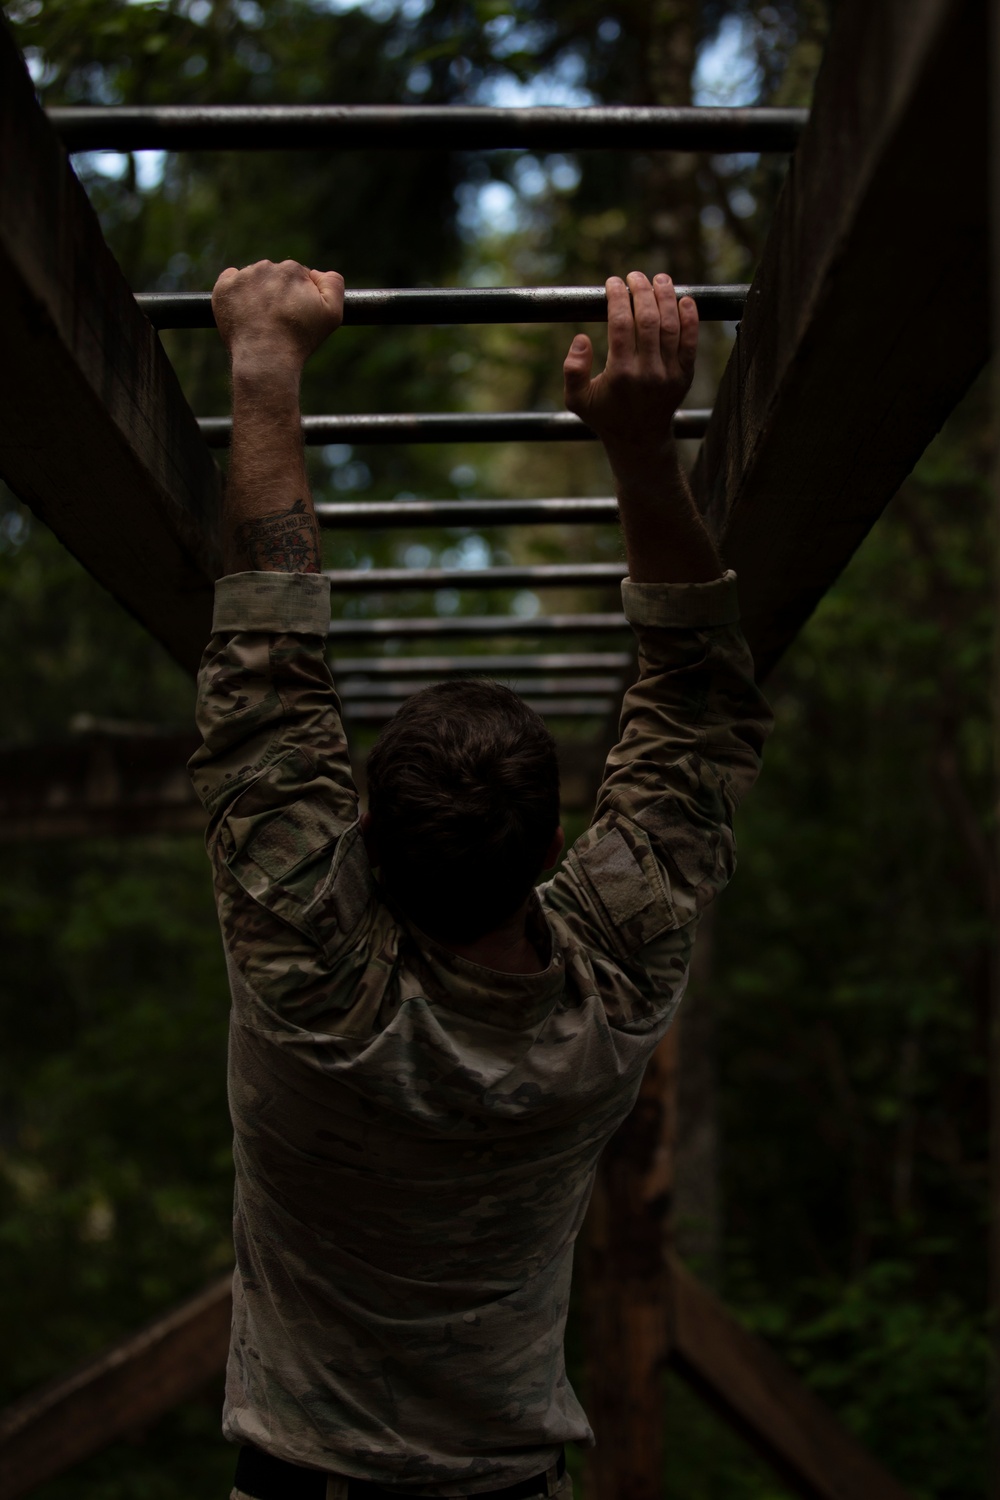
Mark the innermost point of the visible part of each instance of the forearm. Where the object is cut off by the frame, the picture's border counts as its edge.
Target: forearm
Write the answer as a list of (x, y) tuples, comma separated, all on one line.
[(665, 538), (268, 517)]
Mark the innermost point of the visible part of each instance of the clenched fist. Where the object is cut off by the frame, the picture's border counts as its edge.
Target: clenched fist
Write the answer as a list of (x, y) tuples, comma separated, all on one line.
[(276, 315)]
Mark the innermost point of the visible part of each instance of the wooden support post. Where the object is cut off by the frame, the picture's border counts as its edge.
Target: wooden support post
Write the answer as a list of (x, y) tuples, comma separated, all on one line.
[(95, 434), (855, 344), (767, 1402), (128, 1386)]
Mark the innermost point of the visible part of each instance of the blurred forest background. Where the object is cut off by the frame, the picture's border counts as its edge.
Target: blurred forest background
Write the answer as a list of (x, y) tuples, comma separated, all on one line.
[(837, 1192)]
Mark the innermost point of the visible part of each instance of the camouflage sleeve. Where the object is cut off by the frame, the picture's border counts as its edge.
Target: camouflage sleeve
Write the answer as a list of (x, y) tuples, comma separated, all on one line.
[(274, 774), (692, 729)]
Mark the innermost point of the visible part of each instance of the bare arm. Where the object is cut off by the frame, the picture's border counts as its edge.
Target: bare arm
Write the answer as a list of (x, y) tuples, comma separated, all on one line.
[(271, 318), (652, 343)]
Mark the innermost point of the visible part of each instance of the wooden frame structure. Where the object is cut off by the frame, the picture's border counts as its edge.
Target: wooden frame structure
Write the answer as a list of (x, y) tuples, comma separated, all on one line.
[(849, 314)]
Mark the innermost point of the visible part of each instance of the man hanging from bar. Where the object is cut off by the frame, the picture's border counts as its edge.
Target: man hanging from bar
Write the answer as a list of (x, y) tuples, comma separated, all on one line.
[(428, 1051)]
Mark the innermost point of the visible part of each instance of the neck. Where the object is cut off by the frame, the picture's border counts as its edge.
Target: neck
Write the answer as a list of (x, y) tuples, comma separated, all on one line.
[(507, 948)]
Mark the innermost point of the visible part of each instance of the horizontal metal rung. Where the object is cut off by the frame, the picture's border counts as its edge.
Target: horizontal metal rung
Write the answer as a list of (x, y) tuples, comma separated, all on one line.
[(449, 427), (549, 708), (482, 665), (538, 575), (242, 127), (412, 306), (551, 687), (475, 626), (376, 515)]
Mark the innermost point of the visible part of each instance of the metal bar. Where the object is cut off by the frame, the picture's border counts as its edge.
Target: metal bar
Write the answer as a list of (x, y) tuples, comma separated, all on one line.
[(549, 708), (448, 427), (475, 626), (537, 575), (444, 666), (424, 127), (408, 307), (374, 515), (550, 687)]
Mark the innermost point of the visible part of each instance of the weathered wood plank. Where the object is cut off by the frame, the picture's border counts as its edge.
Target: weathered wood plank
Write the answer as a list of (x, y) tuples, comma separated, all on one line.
[(868, 315), (128, 1386), (763, 1397), (95, 434)]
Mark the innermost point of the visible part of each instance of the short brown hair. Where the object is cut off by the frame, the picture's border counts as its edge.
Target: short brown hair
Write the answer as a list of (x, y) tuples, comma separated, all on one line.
[(463, 791)]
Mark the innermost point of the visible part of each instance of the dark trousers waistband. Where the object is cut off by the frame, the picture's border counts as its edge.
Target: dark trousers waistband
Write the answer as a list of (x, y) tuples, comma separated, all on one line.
[(267, 1478)]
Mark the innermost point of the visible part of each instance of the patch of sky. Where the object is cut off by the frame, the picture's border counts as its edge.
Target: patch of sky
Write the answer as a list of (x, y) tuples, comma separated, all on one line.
[(149, 166), (352, 476), (336, 454), (416, 555), (727, 72), (471, 552), (447, 601), (39, 68), (561, 85), (526, 604), (14, 530), (418, 79), (463, 475)]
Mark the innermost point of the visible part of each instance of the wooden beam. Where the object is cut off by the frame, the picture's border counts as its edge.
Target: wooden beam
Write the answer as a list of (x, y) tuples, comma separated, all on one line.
[(763, 1398), (145, 1375), (95, 435), (867, 319), (128, 1386)]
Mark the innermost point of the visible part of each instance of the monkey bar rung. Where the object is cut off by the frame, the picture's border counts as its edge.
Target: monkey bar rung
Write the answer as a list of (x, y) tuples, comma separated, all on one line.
[(268, 127), (538, 575), (474, 627), (408, 307), (448, 427), (374, 515)]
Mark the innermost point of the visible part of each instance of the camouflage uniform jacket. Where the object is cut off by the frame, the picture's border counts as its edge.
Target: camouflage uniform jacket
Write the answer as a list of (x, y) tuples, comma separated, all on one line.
[(416, 1135)]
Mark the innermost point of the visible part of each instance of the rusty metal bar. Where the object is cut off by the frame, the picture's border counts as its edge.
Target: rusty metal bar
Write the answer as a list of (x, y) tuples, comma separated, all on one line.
[(549, 708), (375, 515), (536, 575), (549, 687), (481, 665), (408, 307), (474, 627), (448, 427), (424, 127)]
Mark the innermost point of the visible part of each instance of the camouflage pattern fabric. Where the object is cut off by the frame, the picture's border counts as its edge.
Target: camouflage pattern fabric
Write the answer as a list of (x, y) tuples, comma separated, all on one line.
[(415, 1135)]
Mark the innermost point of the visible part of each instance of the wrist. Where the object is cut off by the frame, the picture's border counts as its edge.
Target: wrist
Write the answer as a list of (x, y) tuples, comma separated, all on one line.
[(262, 368), (641, 470)]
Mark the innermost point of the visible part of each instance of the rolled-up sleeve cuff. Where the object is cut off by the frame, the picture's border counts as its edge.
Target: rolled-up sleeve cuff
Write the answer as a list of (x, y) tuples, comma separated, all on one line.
[(276, 603), (682, 606)]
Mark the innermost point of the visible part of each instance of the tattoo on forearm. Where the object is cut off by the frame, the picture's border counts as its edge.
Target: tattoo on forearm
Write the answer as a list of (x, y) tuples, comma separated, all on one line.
[(285, 543)]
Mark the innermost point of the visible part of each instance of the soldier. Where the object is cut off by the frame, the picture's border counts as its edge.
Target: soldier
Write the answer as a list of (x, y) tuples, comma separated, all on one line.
[(428, 1052)]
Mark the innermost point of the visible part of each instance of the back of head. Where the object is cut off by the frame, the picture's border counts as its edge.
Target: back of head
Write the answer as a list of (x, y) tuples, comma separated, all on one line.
[(463, 791)]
